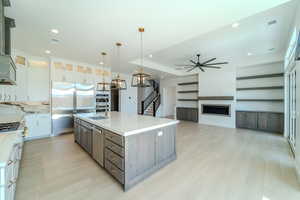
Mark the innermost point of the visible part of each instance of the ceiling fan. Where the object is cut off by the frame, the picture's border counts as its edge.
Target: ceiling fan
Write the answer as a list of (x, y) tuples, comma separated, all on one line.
[(198, 64)]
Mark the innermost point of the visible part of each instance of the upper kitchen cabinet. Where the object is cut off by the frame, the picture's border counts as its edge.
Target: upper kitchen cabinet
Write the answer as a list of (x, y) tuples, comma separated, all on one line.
[(38, 80)]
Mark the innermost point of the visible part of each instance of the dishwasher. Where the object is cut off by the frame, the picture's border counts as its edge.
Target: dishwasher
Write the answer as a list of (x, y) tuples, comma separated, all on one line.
[(98, 146)]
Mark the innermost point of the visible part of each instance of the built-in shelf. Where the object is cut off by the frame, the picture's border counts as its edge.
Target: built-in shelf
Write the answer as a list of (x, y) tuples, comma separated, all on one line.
[(188, 91), (274, 100), (216, 98), (188, 83), (187, 99), (260, 76), (262, 88)]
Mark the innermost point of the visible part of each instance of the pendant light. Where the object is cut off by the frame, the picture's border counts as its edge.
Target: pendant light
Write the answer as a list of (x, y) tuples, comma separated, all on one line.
[(140, 79), (118, 83), (103, 86)]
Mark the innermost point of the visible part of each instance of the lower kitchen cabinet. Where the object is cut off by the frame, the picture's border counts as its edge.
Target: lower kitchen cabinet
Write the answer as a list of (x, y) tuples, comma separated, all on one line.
[(263, 121), (98, 145), (9, 173), (187, 114), (39, 125)]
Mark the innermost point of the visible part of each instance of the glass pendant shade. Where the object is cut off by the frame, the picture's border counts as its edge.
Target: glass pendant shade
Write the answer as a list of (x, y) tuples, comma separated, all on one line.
[(103, 86), (118, 83), (140, 79)]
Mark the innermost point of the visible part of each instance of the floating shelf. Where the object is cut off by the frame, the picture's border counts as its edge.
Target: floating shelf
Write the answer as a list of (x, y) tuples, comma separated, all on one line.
[(188, 83), (262, 88), (187, 99), (188, 91), (260, 76), (275, 100), (216, 98)]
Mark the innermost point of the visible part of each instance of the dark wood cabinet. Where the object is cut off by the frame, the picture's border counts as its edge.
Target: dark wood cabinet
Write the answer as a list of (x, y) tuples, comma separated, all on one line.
[(263, 121), (187, 114), (246, 120), (77, 132)]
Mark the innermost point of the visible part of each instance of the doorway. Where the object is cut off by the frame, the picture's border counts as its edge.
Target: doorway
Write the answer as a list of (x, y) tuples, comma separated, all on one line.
[(169, 101), (115, 99)]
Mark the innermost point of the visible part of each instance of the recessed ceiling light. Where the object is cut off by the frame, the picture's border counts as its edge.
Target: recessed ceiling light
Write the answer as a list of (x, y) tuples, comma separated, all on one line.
[(101, 63), (235, 25), (150, 56), (47, 51), (249, 54), (55, 31)]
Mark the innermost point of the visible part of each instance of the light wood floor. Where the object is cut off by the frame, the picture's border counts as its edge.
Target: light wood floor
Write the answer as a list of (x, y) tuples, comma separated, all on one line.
[(213, 164)]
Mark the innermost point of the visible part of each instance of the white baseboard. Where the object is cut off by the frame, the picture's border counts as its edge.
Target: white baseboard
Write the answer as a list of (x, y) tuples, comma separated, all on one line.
[(36, 137)]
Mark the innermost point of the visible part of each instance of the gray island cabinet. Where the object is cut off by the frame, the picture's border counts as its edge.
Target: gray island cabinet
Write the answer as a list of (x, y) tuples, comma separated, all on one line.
[(130, 148)]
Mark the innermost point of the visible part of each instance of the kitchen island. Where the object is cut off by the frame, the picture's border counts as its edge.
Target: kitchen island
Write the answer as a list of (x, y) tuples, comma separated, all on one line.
[(129, 147)]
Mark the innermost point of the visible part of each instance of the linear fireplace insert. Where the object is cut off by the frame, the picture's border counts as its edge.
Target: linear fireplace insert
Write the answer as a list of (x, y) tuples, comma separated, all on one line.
[(216, 109)]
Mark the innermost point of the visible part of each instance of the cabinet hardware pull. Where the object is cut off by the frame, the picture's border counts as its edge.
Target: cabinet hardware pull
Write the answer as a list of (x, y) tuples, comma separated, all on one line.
[(10, 162)]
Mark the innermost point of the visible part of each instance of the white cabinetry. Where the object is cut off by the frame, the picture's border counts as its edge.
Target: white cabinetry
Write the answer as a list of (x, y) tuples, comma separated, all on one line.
[(9, 174), (39, 125), (38, 84), (21, 88)]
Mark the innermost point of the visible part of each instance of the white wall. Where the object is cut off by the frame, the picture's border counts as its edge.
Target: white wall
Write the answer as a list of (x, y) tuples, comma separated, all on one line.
[(220, 82), (270, 68), (167, 84)]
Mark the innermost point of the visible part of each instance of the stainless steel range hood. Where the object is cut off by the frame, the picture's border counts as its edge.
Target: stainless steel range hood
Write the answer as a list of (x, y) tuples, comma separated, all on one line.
[(7, 70), (7, 65)]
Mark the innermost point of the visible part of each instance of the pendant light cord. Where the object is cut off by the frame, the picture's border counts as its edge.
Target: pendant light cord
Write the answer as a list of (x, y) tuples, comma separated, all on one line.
[(142, 50)]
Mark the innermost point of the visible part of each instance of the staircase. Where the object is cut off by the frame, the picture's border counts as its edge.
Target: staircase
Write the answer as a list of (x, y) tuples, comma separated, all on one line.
[(151, 103)]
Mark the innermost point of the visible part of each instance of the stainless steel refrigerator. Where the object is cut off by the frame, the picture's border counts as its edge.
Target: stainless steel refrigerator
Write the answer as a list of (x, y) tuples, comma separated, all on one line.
[(68, 99)]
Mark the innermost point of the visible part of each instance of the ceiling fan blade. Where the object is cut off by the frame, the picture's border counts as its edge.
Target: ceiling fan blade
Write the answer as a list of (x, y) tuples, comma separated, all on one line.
[(211, 67), (208, 61), (220, 63), (182, 68), (191, 69), (193, 62), (183, 65)]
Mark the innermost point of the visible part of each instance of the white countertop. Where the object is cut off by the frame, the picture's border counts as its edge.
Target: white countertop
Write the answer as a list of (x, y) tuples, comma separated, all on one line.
[(127, 124), (7, 141)]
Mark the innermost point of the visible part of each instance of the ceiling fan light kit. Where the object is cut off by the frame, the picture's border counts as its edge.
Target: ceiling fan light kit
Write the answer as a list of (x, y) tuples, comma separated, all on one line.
[(201, 65), (141, 79)]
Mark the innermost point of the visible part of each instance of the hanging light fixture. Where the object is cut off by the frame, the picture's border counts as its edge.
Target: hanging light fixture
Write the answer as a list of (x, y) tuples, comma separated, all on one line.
[(140, 79), (103, 86), (118, 83)]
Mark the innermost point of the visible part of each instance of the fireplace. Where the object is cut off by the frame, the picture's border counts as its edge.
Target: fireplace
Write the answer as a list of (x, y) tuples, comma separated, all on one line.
[(216, 109)]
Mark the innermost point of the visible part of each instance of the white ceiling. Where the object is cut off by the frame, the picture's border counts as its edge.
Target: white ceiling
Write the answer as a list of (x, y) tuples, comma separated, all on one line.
[(89, 27), (254, 36)]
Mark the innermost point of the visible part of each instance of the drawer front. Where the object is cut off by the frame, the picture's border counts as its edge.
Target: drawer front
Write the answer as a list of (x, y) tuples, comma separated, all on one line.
[(115, 148), (86, 124), (114, 171), (114, 137), (114, 158)]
